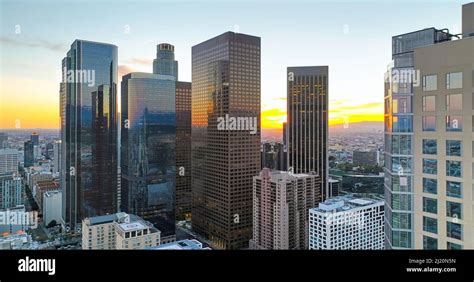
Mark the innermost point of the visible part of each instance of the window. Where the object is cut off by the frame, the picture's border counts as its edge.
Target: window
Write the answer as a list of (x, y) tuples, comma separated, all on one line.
[(401, 144), (430, 185), (454, 80), (453, 148), (454, 189), (454, 210), (429, 146), (454, 168), (430, 82), (429, 123), (453, 123), (402, 124), (430, 243), (454, 102), (402, 105), (429, 103), (401, 165), (454, 230), (453, 246), (401, 202), (430, 225), (430, 166), (430, 205)]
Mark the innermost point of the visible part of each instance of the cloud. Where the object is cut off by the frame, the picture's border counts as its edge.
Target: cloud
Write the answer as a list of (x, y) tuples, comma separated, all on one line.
[(139, 61), (123, 70), (35, 43)]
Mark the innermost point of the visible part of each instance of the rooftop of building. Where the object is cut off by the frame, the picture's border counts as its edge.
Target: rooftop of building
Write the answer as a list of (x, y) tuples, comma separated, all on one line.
[(188, 244), (348, 202)]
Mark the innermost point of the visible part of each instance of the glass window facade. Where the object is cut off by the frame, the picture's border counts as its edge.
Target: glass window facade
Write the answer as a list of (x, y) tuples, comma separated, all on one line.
[(430, 243), (453, 148), (454, 80), (454, 168), (402, 124), (430, 205), (429, 103), (429, 123), (430, 224), (430, 166), (454, 189), (454, 102), (430, 82), (453, 123), (430, 185), (401, 144), (454, 209), (454, 230), (429, 147), (453, 246)]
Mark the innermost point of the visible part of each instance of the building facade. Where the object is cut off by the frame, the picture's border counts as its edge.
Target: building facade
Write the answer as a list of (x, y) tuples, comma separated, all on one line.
[(8, 161), (225, 153), (443, 148), (347, 223), (307, 121), (11, 191), (28, 154), (52, 201), (88, 132), (281, 202)]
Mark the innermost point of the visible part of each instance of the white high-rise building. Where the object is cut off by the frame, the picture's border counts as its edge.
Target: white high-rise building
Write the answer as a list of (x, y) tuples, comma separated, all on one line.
[(118, 231), (56, 156), (347, 223), (52, 206), (8, 161), (281, 201)]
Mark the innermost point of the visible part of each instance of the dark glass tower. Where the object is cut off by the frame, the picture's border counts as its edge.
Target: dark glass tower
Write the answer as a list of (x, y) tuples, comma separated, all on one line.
[(35, 138), (307, 125), (183, 150), (148, 148), (225, 81), (89, 131), (28, 153)]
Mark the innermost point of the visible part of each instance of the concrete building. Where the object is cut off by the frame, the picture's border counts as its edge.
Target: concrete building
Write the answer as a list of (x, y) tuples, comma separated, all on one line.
[(11, 191), (118, 231), (280, 209), (369, 158), (56, 157), (443, 144), (8, 161), (52, 206), (347, 223), (41, 187)]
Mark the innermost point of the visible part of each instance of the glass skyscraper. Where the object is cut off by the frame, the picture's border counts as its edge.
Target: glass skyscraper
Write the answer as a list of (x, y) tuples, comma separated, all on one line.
[(88, 132), (225, 86), (148, 145), (400, 80)]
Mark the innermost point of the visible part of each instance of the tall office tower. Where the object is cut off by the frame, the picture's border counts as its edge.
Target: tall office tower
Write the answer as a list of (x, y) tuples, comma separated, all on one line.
[(57, 156), (164, 63), (49, 151), (273, 156), (285, 135), (347, 223), (307, 124), (28, 154), (88, 132), (443, 146), (11, 191), (148, 148), (3, 139), (281, 202), (225, 137), (183, 150), (400, 80), (34, 137), (8, 161)]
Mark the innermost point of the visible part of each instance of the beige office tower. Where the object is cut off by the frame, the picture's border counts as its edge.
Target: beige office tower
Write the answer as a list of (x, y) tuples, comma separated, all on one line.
[(281, 203), (444, 142)]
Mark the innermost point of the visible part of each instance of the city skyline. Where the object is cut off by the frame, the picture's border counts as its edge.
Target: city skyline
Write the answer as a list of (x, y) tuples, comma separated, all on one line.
[(26, 40)]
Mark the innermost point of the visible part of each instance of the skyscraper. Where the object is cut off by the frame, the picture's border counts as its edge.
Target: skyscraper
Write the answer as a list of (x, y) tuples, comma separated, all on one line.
[(88, 131), (11, 191), (3, 139), (443, 152), (281, 203), (34, 137), (28, 154), (165, 63), (225, 137), (400, 80), (183, 150), (148, 144), (8, 161), (307, 115)]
